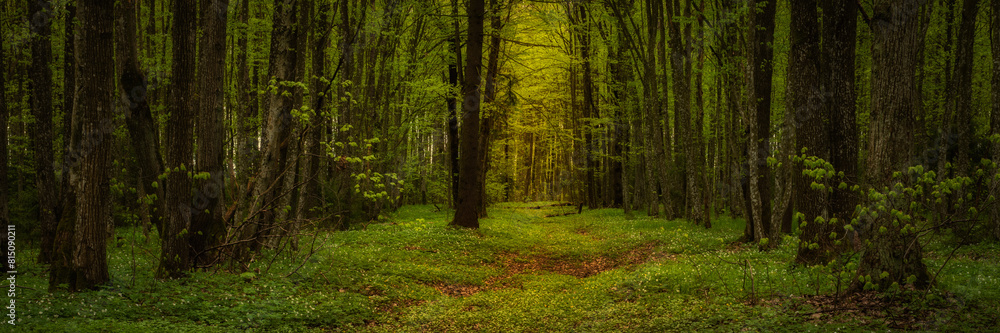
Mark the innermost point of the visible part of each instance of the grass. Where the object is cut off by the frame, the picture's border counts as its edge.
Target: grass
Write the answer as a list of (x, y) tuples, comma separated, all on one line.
[(520, 272)]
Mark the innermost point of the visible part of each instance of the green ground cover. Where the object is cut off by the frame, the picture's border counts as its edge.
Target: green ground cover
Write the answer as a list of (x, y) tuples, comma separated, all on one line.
[(521, 272)]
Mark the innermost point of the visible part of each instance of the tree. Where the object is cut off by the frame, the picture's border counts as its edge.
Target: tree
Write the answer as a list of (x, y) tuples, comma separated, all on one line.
[(806, 110), (894, 25), (839, 40), (453, 78), (247, 97), (41, 107), (688, 137), (269, 186), (466, 213), (143, 130), (88, 266), (995, 117), (175, 239), (963, 83), (489, 98), (207, 225), (3, 135), (657, 191), (759, 58)]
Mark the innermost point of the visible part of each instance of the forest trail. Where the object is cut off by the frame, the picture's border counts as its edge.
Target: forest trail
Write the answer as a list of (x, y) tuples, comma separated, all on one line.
[(601, 271)]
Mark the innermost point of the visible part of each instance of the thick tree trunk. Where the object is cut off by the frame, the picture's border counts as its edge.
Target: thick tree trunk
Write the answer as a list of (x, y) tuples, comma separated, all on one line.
[(207, 225), (89, 267), (760, 54), (175, 239), (806, 114), (963, 83), (143, 129), (469, 195), (41, 107), (894, 26), (839, 40)]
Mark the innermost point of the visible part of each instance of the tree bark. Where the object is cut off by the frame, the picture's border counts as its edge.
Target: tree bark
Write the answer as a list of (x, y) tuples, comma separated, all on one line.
[(698, 192), (895, 24), (680, 60), (207, 225), (175, 239), (310, 196), (4, 215), (489, 98), (247, 125), (469, 195), (839, 40), (41, 130), (89, 268), (963, 83), (808, 118), (652, 130), (760, 56), (269, 186), (995, 117), (453, 129), (589, 107), (143, 129)]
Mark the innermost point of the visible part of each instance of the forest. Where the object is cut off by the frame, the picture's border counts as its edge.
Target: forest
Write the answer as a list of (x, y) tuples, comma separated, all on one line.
[(500, 165)]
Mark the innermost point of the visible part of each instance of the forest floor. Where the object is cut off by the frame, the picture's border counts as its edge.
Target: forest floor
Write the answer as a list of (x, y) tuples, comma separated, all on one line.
[(521, 271)]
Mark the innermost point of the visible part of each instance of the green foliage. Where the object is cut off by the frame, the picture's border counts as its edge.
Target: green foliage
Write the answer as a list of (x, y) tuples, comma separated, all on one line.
[(399, 276)]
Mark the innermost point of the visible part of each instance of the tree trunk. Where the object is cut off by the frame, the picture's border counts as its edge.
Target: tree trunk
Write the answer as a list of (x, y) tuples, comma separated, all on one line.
[(4, 219), (207, 225), (489, 98), (680, 59), (41, 129), (453, 126), (60, 270), (175, 239), (247, 126), (69, 94), (995, 117), (760, 54), (894, 27), (963, 83), (269, 186), (92, 143), (469, 195), (808, 120), (698, 192), (589, 107), (652, 136), (839, 40), (310, 194), (143, 129)]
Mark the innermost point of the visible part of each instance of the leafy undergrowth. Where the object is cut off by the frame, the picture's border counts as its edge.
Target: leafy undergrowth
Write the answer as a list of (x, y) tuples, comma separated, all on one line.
[(522, 271)]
